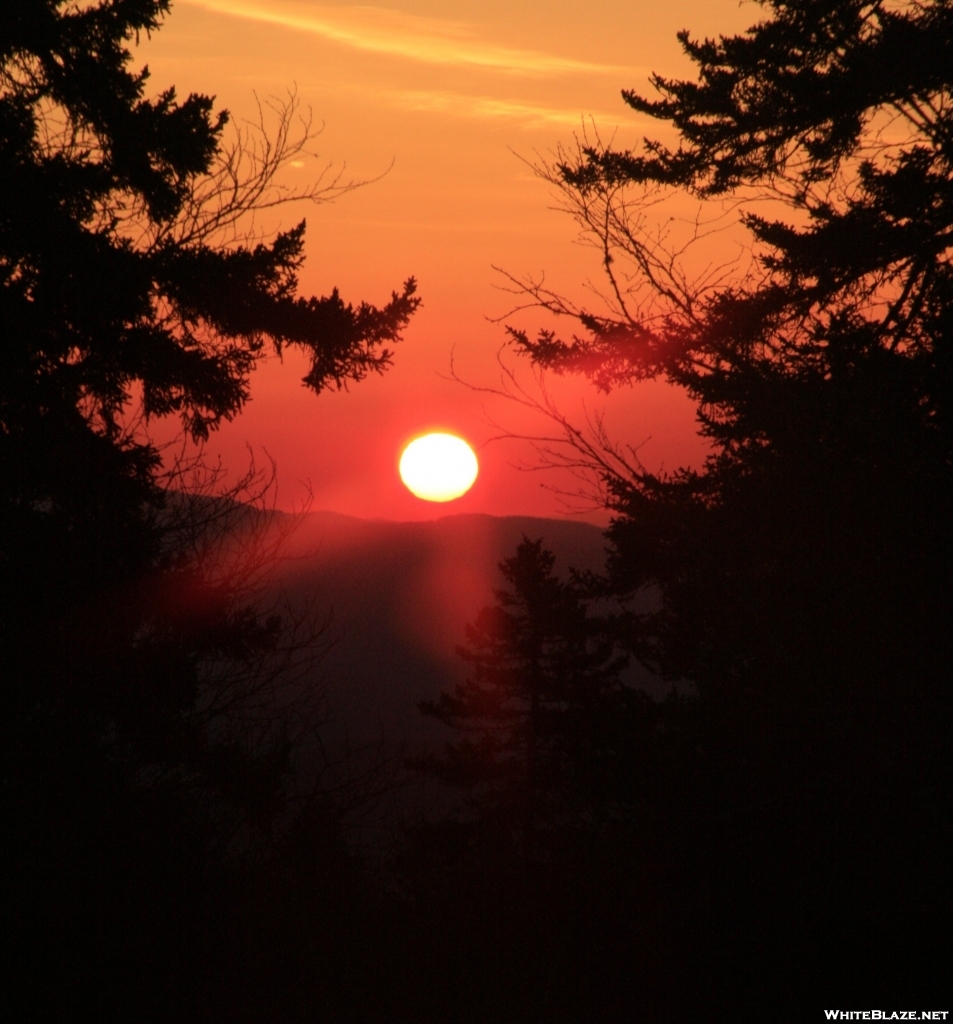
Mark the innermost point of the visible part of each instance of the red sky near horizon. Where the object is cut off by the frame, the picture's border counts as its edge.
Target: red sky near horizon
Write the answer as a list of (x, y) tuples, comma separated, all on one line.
[(443, 104)]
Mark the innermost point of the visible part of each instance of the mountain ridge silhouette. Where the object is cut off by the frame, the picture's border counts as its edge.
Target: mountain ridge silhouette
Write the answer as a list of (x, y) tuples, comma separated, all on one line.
[(400, 594)]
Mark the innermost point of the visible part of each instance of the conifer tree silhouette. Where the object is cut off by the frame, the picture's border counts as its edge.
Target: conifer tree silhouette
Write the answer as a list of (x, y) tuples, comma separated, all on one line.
[(804, 571), (134, 766), (529, 715)]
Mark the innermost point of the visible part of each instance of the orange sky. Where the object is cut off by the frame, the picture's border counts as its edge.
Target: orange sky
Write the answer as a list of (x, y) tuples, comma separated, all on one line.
[(448, 96)]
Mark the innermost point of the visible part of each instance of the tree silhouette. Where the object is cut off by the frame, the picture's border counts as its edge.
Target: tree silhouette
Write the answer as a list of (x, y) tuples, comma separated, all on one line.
[(532, 716), (123, 274), (530, 892), (142, 746), (804, 571)]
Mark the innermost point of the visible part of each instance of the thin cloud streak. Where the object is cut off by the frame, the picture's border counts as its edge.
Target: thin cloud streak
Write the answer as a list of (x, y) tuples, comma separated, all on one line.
[(378, 30), (490, 108)]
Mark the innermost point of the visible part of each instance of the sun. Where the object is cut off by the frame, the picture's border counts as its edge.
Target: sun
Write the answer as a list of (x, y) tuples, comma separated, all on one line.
[(438, 467)]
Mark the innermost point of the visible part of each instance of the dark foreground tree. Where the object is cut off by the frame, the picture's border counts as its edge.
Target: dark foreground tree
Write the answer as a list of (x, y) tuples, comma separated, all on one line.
[(139, 758), (522, 903), (805, 572), (533, 715), (127, 287)]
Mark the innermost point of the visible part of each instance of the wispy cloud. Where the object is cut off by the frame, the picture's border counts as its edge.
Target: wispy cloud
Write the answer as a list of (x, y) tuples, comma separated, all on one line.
[(490, 108), (379, 30)]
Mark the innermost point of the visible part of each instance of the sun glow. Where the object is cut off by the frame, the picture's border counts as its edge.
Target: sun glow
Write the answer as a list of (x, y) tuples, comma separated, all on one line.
[(438, 467)]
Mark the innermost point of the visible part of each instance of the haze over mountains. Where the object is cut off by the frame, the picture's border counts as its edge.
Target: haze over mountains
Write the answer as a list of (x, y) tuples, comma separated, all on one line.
[(401, 594)]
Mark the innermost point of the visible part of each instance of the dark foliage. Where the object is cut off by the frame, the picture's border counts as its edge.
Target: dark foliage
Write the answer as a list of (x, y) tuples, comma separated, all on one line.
[(805, 571), (521, 896), (536, 712), (146, 743)]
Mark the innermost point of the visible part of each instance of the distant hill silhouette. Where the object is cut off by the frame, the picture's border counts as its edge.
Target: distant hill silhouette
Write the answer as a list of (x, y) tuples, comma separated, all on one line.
[(401, 594)]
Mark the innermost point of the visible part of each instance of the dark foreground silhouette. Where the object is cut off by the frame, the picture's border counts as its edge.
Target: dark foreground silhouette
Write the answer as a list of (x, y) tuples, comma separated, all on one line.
[(593, 854), (768, 836)]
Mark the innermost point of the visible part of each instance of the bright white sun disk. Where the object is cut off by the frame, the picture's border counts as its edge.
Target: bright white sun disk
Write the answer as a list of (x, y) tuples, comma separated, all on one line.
[(438, 467)]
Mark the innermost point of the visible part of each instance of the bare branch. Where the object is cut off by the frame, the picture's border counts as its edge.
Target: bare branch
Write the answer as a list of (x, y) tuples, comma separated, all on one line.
[(586, 451), (221, 206)]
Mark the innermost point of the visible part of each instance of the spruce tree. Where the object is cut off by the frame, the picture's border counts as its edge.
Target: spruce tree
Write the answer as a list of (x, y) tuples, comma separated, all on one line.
[(532, 715), (128, 292), (804, 571), (141, 761)]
